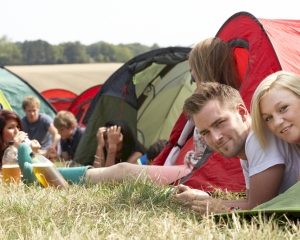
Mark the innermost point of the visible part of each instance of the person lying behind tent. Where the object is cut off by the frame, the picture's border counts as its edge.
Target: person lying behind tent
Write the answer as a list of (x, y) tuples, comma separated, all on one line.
[(39, 126), (275, 106), (67, 126), (152, 152), (225, 124), (212, 60), (117, 143)]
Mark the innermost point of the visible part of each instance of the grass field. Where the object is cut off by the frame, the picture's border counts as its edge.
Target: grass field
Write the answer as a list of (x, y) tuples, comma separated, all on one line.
[(74, 77), (128, 210)]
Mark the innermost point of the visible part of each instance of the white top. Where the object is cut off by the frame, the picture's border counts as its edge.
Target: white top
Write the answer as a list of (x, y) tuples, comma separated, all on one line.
[(276, 152)]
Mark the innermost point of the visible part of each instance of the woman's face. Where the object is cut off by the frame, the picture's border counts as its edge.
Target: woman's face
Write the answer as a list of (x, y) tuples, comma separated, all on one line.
[(10, 131), (280, 110)]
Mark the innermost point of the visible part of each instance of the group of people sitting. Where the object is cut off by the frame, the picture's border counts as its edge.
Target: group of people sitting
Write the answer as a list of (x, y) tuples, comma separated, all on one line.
[(266, 141), (59, 137)]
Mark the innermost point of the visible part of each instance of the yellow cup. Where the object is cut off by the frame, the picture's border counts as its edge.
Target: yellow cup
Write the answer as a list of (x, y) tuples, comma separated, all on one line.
[(48, 175)]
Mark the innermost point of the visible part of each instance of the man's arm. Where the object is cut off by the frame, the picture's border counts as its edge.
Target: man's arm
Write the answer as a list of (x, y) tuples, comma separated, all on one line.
[(264, 186), (55, 136)]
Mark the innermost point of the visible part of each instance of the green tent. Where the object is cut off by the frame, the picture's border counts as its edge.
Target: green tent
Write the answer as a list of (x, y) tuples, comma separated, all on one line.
[(15, 89), (285, 204), (148, 92)]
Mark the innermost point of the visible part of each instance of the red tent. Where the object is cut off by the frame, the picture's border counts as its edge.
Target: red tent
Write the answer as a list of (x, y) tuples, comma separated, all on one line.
[(60, 99), (261, 47), (82, 102)]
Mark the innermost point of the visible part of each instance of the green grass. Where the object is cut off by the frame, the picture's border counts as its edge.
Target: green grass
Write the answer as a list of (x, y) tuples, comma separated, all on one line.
[(128, 210)]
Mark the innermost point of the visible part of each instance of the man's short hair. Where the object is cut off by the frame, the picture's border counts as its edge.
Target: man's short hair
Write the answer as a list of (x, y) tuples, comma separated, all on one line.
[(226, 95), (31, 101), (65, 119)]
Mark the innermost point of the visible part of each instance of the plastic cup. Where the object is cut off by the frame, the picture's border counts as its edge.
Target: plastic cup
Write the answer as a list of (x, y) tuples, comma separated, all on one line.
[(11, 173), (47, 175)]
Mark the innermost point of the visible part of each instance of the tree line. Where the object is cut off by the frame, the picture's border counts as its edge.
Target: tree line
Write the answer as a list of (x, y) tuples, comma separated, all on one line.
[(41, 52)]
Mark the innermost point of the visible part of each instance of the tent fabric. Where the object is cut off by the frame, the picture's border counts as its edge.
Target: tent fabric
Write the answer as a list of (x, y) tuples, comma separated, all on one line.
[(148, 92), (273, 45), (4, 104), (15, 89), (81, 103), (216, 173), (286, 204), (60, 99)]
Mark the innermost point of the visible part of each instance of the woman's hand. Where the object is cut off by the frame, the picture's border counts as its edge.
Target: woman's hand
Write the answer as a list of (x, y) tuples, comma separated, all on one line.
[(100, 137), (114, 136), (20, 137)]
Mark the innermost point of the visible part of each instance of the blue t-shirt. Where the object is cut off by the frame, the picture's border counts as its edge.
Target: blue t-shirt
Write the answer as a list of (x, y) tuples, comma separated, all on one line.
[(39, 130), (70, 145)]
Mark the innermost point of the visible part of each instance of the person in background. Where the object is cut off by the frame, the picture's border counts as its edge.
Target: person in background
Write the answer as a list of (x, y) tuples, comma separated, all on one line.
[(67, 126), (39, 126), (152, 152), (225, 125), (117, 143), (212, 60)]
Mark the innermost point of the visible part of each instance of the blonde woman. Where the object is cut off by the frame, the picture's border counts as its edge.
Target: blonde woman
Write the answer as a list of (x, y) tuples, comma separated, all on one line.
[(275, 109)]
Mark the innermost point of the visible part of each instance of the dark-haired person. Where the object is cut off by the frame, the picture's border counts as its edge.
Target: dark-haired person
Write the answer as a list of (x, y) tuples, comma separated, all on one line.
[(152, 151), (117, 143), (10, 130)]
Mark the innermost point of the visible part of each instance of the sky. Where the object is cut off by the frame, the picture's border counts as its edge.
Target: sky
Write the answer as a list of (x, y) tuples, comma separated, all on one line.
[(164, 22)]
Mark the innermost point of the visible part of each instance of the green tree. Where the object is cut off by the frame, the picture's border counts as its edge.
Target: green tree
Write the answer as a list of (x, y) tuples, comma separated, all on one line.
[(75, 53), (10, 53), (101, 52), (123, 53), (37, 52)]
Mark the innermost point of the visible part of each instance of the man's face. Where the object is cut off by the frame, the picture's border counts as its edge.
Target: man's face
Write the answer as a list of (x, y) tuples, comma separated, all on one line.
[(32, 113), (224, 130), (65, 133)]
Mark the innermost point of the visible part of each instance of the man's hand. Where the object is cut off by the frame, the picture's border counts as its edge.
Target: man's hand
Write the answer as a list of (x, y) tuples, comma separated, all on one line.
[(187, 195), (35, 145), (199, 200), (209, 205), (51, 154)]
